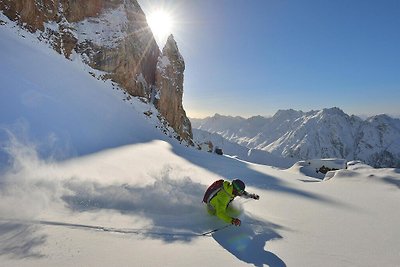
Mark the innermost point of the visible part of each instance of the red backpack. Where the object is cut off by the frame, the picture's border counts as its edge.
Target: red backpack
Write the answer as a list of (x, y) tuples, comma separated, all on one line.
[(212, 190)]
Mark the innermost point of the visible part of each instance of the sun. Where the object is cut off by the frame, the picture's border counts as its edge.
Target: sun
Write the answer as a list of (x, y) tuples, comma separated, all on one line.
[(161, 24)]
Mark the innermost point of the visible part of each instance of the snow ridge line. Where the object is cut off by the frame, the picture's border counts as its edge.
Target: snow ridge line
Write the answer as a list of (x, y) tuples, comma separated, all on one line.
[(138, 231)]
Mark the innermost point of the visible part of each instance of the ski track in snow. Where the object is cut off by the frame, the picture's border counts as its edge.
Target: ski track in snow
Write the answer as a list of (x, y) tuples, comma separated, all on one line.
[(108, 229)]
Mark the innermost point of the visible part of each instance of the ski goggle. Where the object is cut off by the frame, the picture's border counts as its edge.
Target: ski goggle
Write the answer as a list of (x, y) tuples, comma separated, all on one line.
[(238, 190)]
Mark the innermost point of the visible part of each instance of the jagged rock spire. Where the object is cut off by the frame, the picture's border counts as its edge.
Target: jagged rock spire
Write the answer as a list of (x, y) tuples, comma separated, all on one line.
[(169, 83)]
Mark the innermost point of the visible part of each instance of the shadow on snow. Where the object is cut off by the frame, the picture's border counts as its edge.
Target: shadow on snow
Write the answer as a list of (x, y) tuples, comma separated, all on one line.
[(19, 241), (230, 169), (173, 204), (177, 215), (247, 242)]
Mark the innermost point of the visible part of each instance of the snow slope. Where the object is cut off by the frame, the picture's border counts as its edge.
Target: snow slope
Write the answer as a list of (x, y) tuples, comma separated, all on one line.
[(88, 180), (241, 152), (58, 102), (100, 211)]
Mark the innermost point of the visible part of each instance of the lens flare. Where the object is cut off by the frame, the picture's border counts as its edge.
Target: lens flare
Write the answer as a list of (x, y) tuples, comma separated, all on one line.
[(161, 24)]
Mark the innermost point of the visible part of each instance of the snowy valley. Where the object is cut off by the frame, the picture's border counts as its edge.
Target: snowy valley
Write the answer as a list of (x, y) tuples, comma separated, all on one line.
[(90, 177)]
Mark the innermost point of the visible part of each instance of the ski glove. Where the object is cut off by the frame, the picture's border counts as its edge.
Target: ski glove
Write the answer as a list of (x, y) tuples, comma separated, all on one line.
[(254, 196), (236, 222)]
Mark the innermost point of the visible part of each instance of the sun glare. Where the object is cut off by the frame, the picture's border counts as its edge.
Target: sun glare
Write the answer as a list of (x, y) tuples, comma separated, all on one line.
[(161, 24)]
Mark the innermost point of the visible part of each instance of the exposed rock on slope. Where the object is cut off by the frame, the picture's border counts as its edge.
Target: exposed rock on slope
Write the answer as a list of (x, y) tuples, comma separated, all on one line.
[(169, 81), (109, 35)]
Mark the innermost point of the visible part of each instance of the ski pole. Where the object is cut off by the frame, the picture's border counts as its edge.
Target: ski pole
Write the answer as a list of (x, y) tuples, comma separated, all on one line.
[(215, 230)]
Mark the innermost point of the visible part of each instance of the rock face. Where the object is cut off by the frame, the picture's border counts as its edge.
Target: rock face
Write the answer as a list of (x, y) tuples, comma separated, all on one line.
[(34, 14), (110, 36), (169, 83)]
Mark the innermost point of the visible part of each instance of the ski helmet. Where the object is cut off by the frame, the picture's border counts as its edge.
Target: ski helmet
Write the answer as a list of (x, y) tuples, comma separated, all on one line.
[(238, 185)]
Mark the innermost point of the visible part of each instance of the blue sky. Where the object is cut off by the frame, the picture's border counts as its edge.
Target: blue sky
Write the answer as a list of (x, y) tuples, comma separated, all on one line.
[(254, 57)]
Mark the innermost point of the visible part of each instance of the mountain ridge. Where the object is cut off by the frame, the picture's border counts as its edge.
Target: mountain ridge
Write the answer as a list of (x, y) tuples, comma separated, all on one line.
[(325, 133)]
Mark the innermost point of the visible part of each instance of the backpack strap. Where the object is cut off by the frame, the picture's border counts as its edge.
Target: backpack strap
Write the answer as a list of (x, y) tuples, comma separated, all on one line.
[(214, 193)]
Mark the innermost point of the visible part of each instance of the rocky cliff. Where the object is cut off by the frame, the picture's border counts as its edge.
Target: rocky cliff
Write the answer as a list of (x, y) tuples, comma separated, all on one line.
[(169, 86), (111, 36)]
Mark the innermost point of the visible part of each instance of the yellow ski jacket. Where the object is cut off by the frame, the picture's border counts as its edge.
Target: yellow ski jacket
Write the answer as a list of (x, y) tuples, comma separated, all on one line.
[(221, 200)]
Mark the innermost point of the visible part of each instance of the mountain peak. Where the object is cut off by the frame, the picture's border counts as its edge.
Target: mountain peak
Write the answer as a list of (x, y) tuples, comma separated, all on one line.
[(169, 83), (171, 38), (333, 111), (383, 117), (287, 113), (171, 43), (171, 50)]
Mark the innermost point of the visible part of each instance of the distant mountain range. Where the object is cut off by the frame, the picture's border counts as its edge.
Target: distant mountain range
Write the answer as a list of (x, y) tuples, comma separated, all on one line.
[(323, 133)]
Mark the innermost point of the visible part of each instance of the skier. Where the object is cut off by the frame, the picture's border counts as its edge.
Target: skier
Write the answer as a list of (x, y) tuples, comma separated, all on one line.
[(220, 194)]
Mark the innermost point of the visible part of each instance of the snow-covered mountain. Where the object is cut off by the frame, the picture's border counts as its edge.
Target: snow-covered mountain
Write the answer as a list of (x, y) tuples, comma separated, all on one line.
[(323, 133), (88, 179)]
